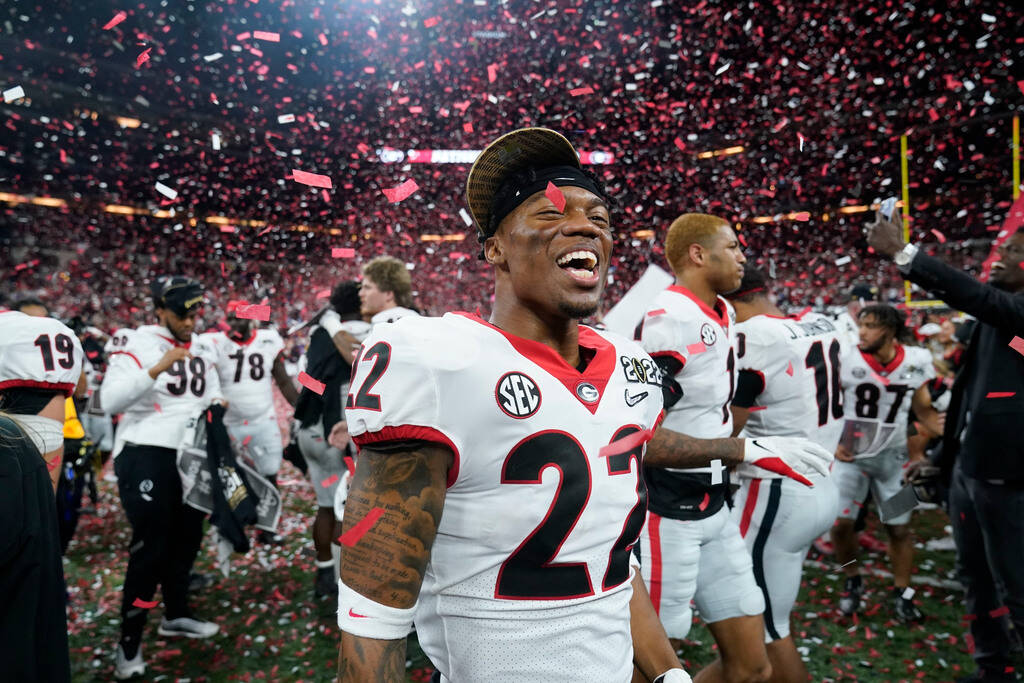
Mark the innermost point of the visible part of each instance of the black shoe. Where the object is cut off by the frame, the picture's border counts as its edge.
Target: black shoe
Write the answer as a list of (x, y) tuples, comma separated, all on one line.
[(267, 538), (903, 606), (989, 676), (325, 585), (197, 581), (849, 599)]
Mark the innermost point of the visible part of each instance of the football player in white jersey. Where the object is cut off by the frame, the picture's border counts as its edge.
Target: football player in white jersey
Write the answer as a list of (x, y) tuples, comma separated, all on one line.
[(385, 293), (882, 380), (788, 383), (498, 493), (163, 377), (249, 360), (691, 550)]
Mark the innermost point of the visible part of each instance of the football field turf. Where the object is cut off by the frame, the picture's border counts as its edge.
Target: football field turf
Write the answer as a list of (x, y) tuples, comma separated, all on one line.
[(273, 630)]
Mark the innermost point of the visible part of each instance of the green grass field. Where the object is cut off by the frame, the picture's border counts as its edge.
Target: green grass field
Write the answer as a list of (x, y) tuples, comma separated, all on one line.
[(273, 630)]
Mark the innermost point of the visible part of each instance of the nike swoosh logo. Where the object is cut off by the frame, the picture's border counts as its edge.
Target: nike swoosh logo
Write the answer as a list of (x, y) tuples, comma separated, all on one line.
[(754, 441), (632, 400), (353, 614)]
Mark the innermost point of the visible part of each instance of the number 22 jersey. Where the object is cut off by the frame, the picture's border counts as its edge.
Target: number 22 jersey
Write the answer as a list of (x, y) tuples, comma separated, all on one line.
[(529, 575)]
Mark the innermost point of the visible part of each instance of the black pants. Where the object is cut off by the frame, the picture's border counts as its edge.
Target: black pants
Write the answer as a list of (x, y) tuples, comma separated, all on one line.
[(166, 535), (988, 527)]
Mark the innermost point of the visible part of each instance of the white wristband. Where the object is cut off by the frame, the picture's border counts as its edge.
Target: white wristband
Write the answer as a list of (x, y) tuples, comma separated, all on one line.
[(674, 676), (363, 617)]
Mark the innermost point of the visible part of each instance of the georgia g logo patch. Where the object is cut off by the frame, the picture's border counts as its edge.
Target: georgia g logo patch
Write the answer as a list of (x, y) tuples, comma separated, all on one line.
[(707, 334), (518, 396)]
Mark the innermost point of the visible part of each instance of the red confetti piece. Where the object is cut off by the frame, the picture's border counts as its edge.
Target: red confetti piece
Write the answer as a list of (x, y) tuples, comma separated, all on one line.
[(312, 179), (352, 536), (1020, 84), (1017, 344), (754, 409), (53, 463), (268, 36), (705, 502), (656, 312), (325, 293), (397, 194), (555, 196), (585, 90), (326, 483), (253, 312), (999, 612), (350, 463), (789, 369), (680, 145), (144, 604), (143, 57), (313, 385), (1000, 394), (431, 22), (246, 440), (156, 407), (341, 252), (118, 18), (626, 443), (694, 349), (492, 73), (939, 236)]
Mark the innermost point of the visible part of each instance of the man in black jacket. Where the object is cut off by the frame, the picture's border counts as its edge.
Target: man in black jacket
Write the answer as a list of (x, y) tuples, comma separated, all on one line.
[(982, 454)]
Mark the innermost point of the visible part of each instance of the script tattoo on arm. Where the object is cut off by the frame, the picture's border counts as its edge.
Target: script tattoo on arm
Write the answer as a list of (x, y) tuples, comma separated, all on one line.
[(387, 563), (674, 449)]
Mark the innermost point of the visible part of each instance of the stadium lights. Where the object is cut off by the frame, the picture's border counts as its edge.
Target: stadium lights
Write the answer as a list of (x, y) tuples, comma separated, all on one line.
[(127, 122), (12, 198), (48, 201), (856, 208), (643, 234), (728, 151), (120, 209)]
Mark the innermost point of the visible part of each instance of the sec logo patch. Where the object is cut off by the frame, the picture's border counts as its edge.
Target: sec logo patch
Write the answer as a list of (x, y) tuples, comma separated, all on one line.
[(518, 396), (707, 334)]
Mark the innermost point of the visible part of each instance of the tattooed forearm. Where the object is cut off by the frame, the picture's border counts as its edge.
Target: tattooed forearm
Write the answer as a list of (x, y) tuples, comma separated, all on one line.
[(365, 659), (673, 449)]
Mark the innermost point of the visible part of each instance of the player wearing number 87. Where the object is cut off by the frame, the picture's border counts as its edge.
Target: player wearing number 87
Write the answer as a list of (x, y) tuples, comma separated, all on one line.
[(882, 380), (159, 380), (507, 525)]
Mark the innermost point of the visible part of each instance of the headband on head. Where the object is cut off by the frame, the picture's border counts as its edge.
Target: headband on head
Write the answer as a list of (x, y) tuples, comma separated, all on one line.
[(513, 192)]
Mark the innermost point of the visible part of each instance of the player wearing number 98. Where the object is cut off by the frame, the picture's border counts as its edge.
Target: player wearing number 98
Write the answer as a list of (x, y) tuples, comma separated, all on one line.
[(482, 501), (882, 380), (161, 379)]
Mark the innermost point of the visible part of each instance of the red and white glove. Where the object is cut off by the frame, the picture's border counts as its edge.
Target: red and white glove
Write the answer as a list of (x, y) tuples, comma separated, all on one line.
[(790, 456)]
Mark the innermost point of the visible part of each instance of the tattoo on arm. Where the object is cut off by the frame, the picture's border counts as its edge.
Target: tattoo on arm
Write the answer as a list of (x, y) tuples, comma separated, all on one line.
[(674, 449), (388, 562)]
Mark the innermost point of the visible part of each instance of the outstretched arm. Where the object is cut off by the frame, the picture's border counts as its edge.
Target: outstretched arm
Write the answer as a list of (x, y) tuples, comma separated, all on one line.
[(386, 564)]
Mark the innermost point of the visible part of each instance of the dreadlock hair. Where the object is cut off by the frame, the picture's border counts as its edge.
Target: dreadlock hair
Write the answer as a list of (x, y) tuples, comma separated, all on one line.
[(753, 285), (888, 317), (345, 298)]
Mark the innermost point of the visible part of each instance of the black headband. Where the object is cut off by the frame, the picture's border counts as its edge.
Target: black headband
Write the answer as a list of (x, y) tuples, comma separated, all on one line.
[(511, 194)]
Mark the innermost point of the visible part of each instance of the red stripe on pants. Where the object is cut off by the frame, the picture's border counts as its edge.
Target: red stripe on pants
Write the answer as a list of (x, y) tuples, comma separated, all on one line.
[(748, 509), (654, 529)]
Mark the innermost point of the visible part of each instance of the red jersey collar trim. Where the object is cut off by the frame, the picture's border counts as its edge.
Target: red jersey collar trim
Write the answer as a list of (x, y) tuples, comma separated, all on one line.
[(174, 341), (888, 367), (597, 373), (719, 313)]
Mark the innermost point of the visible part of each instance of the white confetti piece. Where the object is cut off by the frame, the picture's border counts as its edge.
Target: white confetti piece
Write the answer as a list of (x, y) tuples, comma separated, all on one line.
[(464, 215), (286, 118), (214, 57), (716, 472), (15, 93), (168, 192), (843, 261), (215, 139)]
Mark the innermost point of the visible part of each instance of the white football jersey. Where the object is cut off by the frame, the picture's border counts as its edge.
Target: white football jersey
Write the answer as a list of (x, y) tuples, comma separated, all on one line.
[(681, 326), (877, 398), (39, 353), (798, 362), (156, 411), (244, 369), (118, 341), (390, 315), (529, 576)]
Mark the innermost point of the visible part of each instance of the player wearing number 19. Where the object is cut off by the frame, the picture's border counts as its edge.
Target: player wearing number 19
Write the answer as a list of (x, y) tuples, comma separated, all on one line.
[(484, 503), (160, 379)]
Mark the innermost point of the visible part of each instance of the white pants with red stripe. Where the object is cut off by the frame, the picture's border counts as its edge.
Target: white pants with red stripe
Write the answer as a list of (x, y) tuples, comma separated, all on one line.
[(702, 560), (882, 475), (779, 519)]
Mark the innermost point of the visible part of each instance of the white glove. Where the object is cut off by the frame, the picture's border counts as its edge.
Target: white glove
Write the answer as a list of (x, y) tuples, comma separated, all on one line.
[(331, 322), (674, 676), (791, 456)]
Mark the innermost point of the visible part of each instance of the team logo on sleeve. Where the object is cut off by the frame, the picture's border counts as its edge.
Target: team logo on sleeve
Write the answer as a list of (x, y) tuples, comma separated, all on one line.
[(518, 396), (707, 334)]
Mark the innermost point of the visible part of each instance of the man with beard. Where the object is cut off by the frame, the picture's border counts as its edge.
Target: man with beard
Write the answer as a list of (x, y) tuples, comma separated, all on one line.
[(982, 453)]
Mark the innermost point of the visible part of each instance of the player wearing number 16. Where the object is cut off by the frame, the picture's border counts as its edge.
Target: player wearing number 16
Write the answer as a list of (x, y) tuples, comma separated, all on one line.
[(488, 505), (160, 379)]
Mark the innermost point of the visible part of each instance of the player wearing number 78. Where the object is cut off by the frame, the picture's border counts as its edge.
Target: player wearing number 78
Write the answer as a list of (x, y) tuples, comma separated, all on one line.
[(505, 523), (163, 377)]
